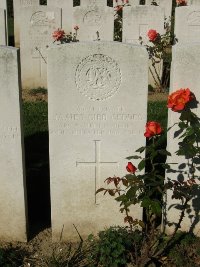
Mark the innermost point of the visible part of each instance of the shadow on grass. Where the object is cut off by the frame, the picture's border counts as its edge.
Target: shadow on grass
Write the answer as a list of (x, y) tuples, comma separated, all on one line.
[(38, 182)]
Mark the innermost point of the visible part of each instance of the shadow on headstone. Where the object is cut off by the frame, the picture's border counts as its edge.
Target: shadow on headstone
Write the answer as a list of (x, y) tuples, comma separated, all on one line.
[(38, 182)]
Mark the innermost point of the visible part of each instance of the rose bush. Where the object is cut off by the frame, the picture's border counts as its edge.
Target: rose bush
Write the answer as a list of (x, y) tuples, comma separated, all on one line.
[(148, 189)]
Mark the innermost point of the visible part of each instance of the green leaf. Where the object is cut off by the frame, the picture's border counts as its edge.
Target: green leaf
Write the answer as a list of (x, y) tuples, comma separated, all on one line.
[(141, 165), (156, 208), (100, 190), (164, 152), (141, 149), (134, 157)]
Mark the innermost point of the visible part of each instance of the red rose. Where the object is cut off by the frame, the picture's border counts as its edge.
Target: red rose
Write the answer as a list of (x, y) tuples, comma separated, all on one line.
[(178, 99), (131, 168), (58, 35), (152, 34), (181, 2), (153, 128)]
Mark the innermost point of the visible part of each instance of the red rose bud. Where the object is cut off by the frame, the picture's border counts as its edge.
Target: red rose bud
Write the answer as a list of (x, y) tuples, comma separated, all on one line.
[(153, 128), (152, 34), (178, 100), (76, 28), (131, 168)]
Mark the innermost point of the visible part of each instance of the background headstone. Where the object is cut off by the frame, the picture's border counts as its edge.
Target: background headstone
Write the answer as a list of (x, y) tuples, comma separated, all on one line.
[(131, 2), (184, 74), (3, 32), (3, 25), (93, 3), (36, 28), (12, 179), (92, 19), (17, 8), (187, 24), (165, 4), (97, 95), (67, 13), (194, 2), (137, 21)]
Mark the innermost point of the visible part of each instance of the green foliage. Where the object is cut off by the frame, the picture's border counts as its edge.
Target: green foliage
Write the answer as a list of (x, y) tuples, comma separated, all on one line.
[(157, 111), (12, 257), (35, 117), (114, 247), (185, 251)]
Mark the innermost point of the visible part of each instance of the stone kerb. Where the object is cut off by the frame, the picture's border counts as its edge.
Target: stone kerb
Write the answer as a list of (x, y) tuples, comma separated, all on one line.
[(12, 179), (95, 22), (100, 97), (37, 25), (67, 12), (17, 8), (184, 74), (187, 24), (3, 29)]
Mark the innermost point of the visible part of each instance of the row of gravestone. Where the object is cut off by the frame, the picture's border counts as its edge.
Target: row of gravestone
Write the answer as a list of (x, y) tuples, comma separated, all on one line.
[(97, 110), (38, 22)]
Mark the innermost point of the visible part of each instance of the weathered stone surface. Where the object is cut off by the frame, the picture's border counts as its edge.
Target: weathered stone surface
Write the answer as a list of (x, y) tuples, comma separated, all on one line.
[(12, 179), (95, 22), (138, 20), (87, 3), (165, 4), (3, 35), (97, 93), (67, 12), (17, 8), (37, 25), (130, 2), (187, 24), (184, 74)]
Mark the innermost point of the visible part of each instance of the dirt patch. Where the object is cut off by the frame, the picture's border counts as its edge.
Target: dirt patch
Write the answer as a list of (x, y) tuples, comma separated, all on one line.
[(157, 96), (34, 95), (41, 94)]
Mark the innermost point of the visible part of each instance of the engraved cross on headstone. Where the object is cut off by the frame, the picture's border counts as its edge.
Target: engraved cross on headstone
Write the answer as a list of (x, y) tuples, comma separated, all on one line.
[(97, 164)]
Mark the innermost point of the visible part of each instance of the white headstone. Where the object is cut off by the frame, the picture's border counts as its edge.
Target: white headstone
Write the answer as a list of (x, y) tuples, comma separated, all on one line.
[(67, 12), (187, 24), (165, 4), (12, 179), (130, 2), (183, 76), (3, 35), (3, 23), (97, 104), (194, 2), (36, 28), (87, 3), (94, 22), (138, 20), (17, 8)]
